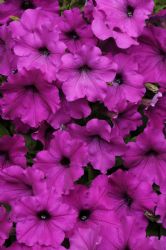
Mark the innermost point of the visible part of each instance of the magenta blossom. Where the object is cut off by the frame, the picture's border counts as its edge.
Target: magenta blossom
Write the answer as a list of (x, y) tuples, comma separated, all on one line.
[(63, 161), (132, 235), (91, 205), (43, 215), (74, 30), (12, 151), (38, 48), (102, 28), (123, 20), (5, 225), (146, 157), (28, 96), (127, 15), (130, 196), (127, 84), (85, 74), (150, 55), (103, 143), (16, 183)]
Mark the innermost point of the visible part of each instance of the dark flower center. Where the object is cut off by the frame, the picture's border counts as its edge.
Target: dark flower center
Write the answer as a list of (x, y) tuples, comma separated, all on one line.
[(130, 11), (49, 131), (84, 214), (151, 152), (5, 155), (118, 78), (65, 161), (73, 35), (127, 248), (44, 51), (85, 68), (95, 137), (44, 215), (31, 88), (14, 71), (2, 42), (162, 53), (128, 200), (27, 4)]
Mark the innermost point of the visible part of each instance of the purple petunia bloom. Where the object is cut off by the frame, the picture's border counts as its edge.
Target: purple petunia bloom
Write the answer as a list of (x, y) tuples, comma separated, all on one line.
[(146, 157), (85, 73), (132, 235), (16, 183), (37, 44), (28, 96), (103, 143), (74, 30), (43, 215), (92, 208), (123, 20), (63, 161), (150, 55), (127, 84), (130, 196)]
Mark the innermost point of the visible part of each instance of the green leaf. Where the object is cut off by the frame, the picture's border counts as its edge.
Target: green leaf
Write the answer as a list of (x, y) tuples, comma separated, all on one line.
[(3, 131)]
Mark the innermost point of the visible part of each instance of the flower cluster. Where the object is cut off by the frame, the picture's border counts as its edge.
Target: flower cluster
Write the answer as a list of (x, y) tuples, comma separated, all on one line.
[(82, 125)]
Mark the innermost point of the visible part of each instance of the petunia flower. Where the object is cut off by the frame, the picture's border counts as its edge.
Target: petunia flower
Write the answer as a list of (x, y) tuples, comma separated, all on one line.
[(146, 157), (103, 143), (85, 73), (75, 32), (63, 161), (42, 220), (132, 235), (16, 183), (29, 97), (130, 196), (150, 55), (127, 84), (92, 208), (37, 44), (124, 20)]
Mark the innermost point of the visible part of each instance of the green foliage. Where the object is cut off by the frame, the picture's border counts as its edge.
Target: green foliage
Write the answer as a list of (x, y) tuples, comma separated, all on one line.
[(159, 5), (68, 4)]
